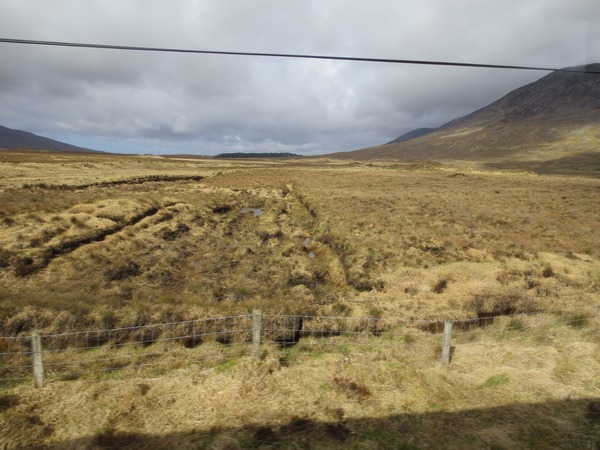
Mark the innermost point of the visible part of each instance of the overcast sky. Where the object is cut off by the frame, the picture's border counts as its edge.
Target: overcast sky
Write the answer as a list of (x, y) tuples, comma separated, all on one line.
[(183, 103)]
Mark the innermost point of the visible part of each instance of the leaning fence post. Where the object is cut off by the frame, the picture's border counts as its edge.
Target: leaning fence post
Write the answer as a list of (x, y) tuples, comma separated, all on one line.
[(446, 343), (256, 326), (38, 366)]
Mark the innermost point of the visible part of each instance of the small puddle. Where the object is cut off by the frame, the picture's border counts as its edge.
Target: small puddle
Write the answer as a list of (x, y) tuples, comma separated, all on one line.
[(255, 211), (307, 244)]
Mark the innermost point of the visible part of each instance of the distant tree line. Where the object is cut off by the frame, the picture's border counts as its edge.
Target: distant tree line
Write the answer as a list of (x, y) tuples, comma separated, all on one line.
[(258, 155)]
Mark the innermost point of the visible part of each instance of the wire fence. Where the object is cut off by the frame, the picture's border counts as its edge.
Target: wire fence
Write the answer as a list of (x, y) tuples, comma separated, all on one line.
[(154, 350)]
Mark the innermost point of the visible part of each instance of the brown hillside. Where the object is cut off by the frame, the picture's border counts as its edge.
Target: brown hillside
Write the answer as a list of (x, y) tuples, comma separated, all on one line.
[(552, 123)]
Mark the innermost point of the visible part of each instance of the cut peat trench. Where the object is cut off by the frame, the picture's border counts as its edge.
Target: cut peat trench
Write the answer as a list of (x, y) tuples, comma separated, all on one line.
[(135, 180), (336, 246), (28, 265), (302, 201)]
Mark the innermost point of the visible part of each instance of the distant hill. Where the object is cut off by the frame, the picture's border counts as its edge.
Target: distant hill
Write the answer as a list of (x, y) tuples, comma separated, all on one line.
[(412, 135), (16, 139), (550, 124), (257, 155)]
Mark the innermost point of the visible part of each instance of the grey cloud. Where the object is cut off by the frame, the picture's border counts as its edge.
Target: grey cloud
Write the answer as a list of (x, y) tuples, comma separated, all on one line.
[(154, 102)]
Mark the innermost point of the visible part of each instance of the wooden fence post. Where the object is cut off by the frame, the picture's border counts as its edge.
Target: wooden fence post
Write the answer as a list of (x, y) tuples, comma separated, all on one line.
[(38, 366), (446, 344), (256, 326)]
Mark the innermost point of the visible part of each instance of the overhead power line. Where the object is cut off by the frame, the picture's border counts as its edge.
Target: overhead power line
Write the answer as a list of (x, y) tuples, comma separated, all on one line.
[(290, 55)]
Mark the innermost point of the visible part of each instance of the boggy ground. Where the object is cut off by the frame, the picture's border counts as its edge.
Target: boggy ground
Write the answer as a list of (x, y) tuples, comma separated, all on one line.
[(107, 241), (103, 241)]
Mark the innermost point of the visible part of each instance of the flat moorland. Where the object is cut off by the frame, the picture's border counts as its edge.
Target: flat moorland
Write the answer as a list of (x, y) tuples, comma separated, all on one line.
[(108, 241), (114, 241)]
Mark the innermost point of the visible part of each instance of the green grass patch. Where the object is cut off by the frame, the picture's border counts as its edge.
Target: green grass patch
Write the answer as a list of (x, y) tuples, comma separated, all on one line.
[(496, 380), (577, 320), (383, 439), (227, 366)]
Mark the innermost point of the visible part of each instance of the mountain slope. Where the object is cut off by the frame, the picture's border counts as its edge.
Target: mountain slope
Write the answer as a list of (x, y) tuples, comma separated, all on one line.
[(17, 139), (554, 118), (412, 135)]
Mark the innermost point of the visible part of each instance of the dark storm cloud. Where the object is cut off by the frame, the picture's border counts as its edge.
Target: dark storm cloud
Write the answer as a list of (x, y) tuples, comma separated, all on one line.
[(152, 102)]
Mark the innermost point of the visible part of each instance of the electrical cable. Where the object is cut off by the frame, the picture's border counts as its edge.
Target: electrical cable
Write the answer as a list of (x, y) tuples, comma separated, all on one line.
[(295, 56)]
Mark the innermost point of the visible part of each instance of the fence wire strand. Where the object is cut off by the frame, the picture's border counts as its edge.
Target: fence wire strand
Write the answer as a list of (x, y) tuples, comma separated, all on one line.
[(216, 340)]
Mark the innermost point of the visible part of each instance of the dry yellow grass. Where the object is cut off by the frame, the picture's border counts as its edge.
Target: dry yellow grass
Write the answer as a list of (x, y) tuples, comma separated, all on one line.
[(531, 384), (415, 242)]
